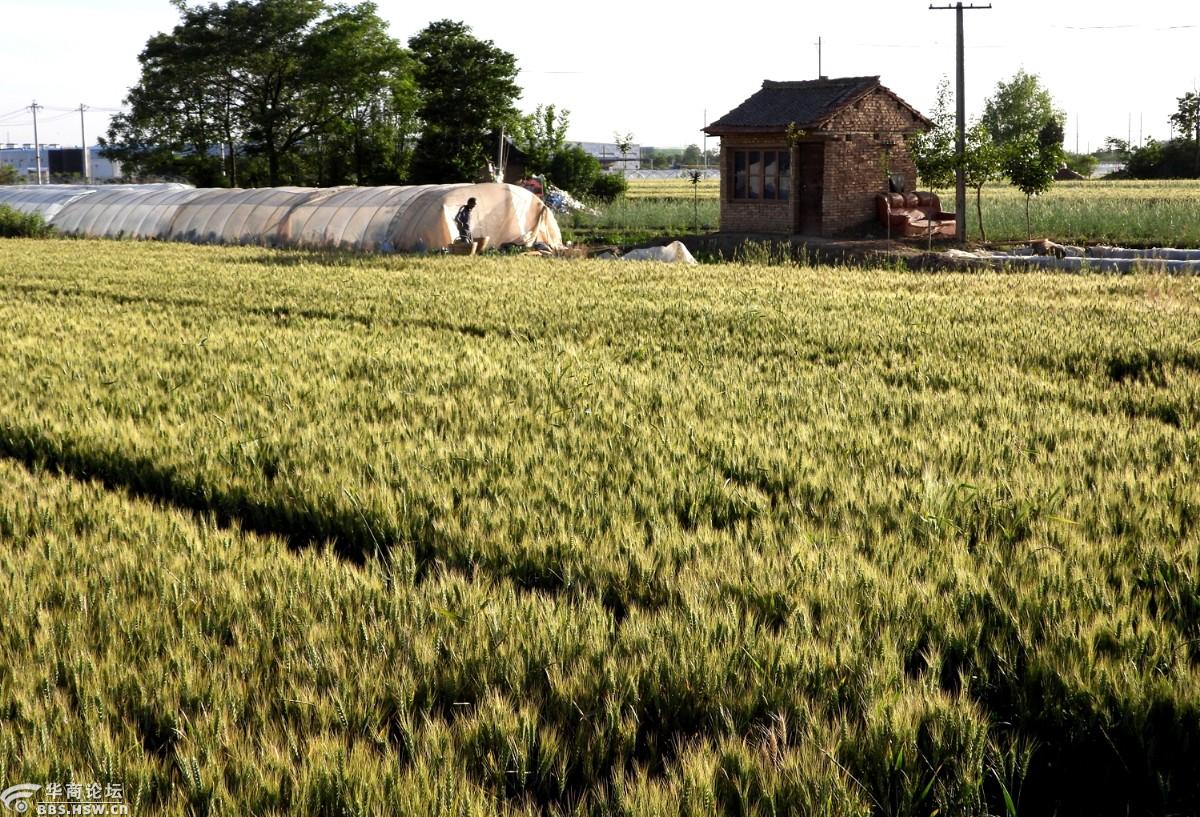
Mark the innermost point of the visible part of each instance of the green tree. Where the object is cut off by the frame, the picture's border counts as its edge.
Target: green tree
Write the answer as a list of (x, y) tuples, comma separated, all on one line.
[(933, 151), (270, 81), (467, 89), (1186, 120), (1019, 108), (574, 170), (1116, 148), (982, 163), (541, 135), (368, 100), (1031, 161), (177, 109), (624, 146), (692, 156), (1082, 163), (608, 187), (9, 175)]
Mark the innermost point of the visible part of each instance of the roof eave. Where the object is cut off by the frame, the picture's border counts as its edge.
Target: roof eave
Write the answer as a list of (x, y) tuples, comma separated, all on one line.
[(718, 130)]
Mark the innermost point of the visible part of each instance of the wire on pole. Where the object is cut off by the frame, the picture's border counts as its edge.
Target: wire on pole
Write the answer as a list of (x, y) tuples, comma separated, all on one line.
[(960, 179)]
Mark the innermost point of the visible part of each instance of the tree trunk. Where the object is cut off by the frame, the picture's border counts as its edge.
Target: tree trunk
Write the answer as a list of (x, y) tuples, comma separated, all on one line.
[(1028, 229), (979, 211), (358, 152), (232, 160)]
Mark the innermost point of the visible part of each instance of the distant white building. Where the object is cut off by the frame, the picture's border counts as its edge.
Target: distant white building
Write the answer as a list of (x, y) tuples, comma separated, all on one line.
[(24, 159), (610, 155)]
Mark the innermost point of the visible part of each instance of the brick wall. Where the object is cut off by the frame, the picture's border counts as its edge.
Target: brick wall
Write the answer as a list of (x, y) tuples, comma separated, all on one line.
[(855, 166), (877, 111), (855, 174), (751, 216)]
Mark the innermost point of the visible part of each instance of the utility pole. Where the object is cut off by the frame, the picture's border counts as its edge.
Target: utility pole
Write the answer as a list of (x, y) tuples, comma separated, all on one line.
[(87, 177), (37, 146), (960, 179), (500, 155), (705, 132), (820, 71)]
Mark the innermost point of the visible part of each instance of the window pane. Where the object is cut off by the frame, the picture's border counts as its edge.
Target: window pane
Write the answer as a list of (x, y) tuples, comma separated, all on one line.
[(755, 187), (755, 163), (739, 160), (785, 163), (739, 184), (770, 171), (785, 186), (769, 187)]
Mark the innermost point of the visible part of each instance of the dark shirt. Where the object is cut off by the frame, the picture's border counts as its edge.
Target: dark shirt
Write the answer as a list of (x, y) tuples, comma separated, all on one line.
[(463, 221)]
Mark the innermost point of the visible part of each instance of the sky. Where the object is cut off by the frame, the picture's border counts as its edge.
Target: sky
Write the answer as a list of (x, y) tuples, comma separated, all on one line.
[(660, 71)]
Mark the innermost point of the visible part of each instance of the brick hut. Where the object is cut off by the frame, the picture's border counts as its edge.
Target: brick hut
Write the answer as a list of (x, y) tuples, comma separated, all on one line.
[(809, 157)]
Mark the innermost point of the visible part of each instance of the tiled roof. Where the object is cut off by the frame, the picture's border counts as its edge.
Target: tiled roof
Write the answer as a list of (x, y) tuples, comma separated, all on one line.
[(808, 104)]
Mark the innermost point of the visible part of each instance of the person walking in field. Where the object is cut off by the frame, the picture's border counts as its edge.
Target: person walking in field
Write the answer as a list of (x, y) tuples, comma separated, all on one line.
[(463, 221)]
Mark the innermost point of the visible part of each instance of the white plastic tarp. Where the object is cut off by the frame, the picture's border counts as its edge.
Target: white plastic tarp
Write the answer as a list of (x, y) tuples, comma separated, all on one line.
[(1090, 259), (673, 253)]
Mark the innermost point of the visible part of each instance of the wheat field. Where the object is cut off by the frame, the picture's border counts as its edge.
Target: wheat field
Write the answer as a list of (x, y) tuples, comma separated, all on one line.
[(298, 533), (1125, 213)]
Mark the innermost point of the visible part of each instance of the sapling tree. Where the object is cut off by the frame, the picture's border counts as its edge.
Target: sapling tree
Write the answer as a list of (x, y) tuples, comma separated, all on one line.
[(982, 163), (542, 135), (933, 151), (694, 178), (624, 145), (1030, 162)]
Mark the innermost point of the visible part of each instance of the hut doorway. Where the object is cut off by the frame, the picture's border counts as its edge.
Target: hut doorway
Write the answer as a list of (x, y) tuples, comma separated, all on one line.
[(810, 176)]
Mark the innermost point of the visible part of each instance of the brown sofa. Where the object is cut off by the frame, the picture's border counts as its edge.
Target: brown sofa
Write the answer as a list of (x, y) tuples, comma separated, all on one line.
[(914, 214)]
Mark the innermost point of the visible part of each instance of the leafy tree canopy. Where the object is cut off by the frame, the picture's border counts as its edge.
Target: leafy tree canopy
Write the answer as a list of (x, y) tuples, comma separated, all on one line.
[(1019, 108), (278, 84), (541, 135), (1186, 118), (574, 170), (467, 88)]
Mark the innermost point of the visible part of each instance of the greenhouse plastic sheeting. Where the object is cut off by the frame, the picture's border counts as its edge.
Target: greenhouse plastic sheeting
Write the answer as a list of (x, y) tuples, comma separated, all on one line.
[(359, 218), (48, 199)]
